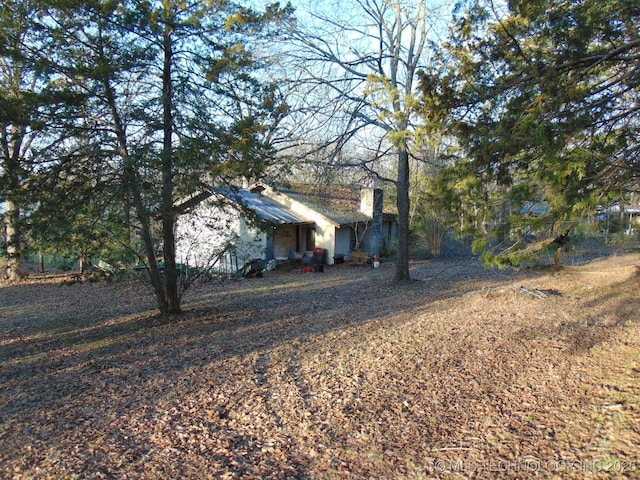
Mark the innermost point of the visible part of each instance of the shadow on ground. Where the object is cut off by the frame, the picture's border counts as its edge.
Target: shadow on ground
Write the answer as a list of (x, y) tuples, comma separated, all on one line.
[(86, 363)]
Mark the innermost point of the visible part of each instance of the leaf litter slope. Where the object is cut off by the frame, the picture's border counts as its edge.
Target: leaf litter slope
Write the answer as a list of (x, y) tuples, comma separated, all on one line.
[(464, 374)]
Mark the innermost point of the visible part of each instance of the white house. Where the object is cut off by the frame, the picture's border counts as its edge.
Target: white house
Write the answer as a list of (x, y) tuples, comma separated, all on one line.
[(227, 228)]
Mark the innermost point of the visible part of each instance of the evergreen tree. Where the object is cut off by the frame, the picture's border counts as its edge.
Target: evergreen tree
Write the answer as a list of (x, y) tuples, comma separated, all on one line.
[(543, 99), (38, 113), (174, 100)]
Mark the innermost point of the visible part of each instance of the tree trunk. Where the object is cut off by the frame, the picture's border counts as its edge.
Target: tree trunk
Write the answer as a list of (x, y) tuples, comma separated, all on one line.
[(172, 297), (132, 184), (13, 231), (84, 262), (435, 234), (402, 266), (131, 178), (13, 269), (557, 259)]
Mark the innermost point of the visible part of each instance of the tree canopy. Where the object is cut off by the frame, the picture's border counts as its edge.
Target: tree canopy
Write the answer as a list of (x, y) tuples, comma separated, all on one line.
[(360, 60), (37, 116), (170, 96), (543, 99), (127, 107)]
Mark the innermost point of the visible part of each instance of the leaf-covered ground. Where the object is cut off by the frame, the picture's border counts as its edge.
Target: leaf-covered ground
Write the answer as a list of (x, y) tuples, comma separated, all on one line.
[(336, 375)]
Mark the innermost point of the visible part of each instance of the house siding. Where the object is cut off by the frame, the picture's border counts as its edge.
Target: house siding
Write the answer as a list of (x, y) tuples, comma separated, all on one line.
[(212, 236), (343, 241), (325, 238), (371, 205)]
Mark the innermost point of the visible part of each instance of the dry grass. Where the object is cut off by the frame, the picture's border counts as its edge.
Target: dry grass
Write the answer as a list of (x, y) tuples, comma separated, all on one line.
[(330, 375)]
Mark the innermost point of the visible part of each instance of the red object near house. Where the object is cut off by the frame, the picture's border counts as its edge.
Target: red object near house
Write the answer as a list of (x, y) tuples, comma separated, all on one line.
[(319, 256)]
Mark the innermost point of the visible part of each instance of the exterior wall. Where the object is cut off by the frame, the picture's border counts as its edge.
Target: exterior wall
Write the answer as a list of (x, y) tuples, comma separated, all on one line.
[(285, 240), (325, 238), (379, 242), (389, 235), (325, 229), (343, 241), (217, 237), (367, 244)]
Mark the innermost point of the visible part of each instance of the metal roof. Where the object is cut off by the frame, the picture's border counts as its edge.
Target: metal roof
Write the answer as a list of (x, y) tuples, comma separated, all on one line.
[(265, 208)]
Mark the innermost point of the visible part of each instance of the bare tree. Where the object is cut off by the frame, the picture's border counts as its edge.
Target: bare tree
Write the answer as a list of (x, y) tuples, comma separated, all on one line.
[(359, 61)]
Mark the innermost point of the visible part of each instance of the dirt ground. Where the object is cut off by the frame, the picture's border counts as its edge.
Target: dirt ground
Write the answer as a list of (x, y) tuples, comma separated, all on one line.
[(466, 373)]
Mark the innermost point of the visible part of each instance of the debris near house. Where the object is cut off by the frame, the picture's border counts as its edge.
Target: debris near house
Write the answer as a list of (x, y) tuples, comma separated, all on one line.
[(360, 258), (105, 268), (560, 241), (319, 259), (253, 268)]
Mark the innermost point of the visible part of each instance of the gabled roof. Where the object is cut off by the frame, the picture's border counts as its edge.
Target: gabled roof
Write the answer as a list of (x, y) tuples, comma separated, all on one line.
[(338, 208), (243, 199), (339, 204), (267, 209)]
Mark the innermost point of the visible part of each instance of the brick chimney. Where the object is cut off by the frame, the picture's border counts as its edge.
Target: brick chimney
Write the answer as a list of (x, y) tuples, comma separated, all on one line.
[(371, 206)]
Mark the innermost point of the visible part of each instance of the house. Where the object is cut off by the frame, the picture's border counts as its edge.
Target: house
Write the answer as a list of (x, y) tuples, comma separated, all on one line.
[(227, 228), (619, 217)]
